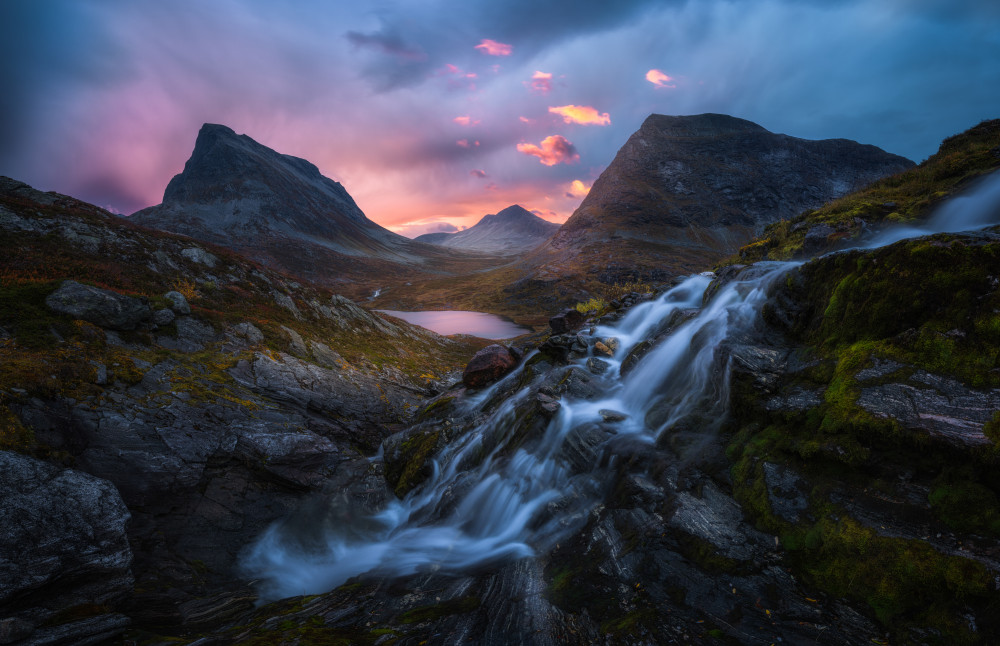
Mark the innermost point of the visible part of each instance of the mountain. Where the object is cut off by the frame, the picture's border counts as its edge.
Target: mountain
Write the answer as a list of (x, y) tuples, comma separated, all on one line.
[(433, 238), (681, 194), (513, 230), (279, 210)]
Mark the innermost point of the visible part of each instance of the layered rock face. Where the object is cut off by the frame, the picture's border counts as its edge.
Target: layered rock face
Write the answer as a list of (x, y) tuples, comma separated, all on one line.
[(63, 544), (513, 230)]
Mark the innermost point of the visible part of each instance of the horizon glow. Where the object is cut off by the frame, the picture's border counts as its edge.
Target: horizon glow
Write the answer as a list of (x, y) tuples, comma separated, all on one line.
[(445, 111)]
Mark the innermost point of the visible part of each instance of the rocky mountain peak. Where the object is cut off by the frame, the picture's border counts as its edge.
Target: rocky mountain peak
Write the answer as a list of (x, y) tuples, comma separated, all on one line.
[(698, 125), (512, 230)]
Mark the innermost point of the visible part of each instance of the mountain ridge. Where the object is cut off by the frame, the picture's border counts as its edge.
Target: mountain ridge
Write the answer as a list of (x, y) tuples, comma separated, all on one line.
[(512, 230)]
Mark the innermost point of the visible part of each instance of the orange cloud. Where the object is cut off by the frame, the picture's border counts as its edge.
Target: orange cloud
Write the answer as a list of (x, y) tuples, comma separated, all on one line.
[(659, 78), (554, 149), (465, 121), (577, 190), (582, 114), (493, 48), (541, 82)]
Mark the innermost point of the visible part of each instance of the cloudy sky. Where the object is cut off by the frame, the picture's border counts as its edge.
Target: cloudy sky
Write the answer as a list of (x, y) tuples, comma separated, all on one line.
[(434, 113)]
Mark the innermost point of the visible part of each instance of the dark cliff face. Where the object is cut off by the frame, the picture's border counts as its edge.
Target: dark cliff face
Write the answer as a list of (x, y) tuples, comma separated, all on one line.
[(237, 189), (227, 167), (720, 173)]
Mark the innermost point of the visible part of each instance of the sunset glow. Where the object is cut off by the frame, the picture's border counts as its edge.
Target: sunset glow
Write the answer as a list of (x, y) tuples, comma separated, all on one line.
[(581, 114), (577, 189), (554, 149), (493, 48), (402, 104)]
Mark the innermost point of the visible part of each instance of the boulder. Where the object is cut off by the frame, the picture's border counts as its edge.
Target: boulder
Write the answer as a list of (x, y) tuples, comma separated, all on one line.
[(488, 365), (101, 307), (566, 321), (63, 541), (164, 317), (179, 304)]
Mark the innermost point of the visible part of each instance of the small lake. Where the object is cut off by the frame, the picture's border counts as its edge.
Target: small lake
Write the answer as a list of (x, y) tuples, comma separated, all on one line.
[(486, 326)]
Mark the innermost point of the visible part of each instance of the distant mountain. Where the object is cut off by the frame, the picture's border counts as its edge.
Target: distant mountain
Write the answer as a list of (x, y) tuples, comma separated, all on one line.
[(433, 238), (513, 230), (684, 191), (280, 210)]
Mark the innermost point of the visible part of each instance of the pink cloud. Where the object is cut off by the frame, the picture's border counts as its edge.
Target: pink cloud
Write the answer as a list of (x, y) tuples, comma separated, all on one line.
[(541, 82), (475, 172), (582, 114), (493, 48), (577, 190), (466, 121), (659, 78), (526, 120), (465, 143), (554, 149)]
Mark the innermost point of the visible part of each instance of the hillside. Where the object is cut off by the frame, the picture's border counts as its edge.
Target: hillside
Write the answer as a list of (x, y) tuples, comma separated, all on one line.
[(279, 210), (194, 391), (514, 230)]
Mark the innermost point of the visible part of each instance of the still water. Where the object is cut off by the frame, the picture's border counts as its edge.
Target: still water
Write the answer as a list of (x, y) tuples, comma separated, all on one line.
[(486, 326)]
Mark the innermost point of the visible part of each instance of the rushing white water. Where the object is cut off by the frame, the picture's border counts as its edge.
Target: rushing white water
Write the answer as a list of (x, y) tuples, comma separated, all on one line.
[(490, 499)]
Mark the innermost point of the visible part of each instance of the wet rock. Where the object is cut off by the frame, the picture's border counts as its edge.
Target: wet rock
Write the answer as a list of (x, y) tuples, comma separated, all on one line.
[(547, 404), (488, 365), (295, 342), (939, 406), (612, 415), (603, 350), (62, 540), (816, 237), (14, 629), (799, 399), (577, 383), (178, 303), (163, 317), (566, 321), (785, 492), (101, 307), (597, 366)]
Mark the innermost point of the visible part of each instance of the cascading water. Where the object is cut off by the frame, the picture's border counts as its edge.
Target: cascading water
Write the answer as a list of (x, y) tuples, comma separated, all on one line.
[(492, 497)]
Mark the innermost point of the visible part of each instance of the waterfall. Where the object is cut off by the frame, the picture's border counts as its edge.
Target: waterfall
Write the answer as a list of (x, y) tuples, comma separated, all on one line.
[(490, 499)]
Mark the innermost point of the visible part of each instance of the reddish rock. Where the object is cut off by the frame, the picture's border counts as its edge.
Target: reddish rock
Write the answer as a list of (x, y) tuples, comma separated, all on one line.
[(488, 365), (566, 321)]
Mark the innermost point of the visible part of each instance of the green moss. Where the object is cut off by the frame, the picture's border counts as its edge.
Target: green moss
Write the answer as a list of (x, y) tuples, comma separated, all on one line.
[(413, 467), (960, 500), (435, 611), (706, 556), (435, 408)]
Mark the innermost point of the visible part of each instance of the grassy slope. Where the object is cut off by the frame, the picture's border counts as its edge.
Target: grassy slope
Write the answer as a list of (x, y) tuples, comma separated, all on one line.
[(929, 304), (49, 355), (907, 197)]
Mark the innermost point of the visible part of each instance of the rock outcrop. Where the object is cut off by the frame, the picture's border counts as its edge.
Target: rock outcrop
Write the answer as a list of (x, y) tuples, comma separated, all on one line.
[(488, 365), (63, 545)]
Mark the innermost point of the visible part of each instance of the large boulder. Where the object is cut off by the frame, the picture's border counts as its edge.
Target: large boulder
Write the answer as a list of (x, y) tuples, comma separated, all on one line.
[(566, 321), (63, 544), (101, 307), (488, 365)]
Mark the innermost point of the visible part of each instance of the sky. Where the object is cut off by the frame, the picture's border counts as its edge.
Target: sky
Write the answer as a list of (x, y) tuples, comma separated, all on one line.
[(435, 113)]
